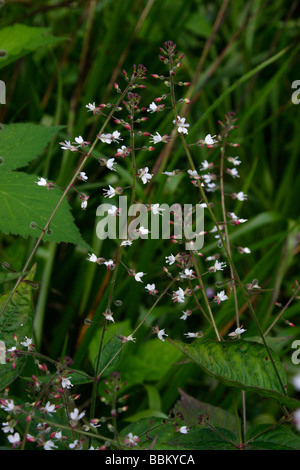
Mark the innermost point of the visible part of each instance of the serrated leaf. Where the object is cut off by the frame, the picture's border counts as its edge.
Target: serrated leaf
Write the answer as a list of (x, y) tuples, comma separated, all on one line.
[(17, 320), (241, 364), (24, 202), (22, 142), (277, 438), (192, 409), (19, 40)]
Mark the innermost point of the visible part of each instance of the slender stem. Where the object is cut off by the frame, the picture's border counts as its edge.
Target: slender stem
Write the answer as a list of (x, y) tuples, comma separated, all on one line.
[(282, 311)]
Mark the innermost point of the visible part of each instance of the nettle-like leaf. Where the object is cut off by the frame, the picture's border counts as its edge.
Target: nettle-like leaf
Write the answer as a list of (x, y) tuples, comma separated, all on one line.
[(19, 40), (242, 364), (22, 142), (23, 201), (158, 434), (17, 320), (269, 438)]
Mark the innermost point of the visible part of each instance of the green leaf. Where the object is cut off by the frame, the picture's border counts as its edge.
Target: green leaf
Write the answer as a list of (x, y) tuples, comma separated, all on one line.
[(6, 277), (22, 142), (192, 409), (164, 435), (24, 202), (241, 364), (277, 438), (16, 320), (110, 355), (19, 40)]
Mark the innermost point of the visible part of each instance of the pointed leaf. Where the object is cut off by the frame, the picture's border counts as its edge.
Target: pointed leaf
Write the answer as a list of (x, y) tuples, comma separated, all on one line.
[(240, 364)]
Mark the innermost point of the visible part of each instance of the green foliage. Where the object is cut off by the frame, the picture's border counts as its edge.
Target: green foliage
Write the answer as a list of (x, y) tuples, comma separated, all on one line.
[(16, 320)]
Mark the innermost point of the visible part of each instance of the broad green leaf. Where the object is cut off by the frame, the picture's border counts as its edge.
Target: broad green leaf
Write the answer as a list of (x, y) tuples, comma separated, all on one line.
[(110, 355), (24, 202), (17, 320), (277, 438), (22, 142), (192, 410), (164, 435), (19, 40), (242, 364)]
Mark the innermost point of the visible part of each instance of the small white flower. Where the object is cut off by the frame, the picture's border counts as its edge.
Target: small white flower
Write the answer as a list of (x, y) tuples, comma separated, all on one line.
[(14, 438), (209, 140), (296, 382), (41, 182), (156, 209), (187, 274), (83, 204), (49, 408), (9, 405), (116, 136), (170, 259), (221, 296), (205, 165), (80, 142), (237, 332), (211, 187), (27, 342), (126, 243), (82, 176), (178, 296), (49, 445), (233, 172), (182, 126), (66, 145), (234, 160), (93, 258), (218, 266), (152, 108), (111, 192), (138, 276), (7, 427), (244, 250), (186, 314), (151, 288), (144, 174), (113, 210), (143, 231), (109, 264), (296, 419), (75, 415), (161, 334), (240, 196), (105, 138), (156, 138), (183, 430), (193, 174), (198, 334), (110, 164), (91, 106), (66, 383)]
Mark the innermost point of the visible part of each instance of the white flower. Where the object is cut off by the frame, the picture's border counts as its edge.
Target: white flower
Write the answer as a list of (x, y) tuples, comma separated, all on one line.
[(244, 250), (113, 210), (152, 108), (221, 296), (193, 174), (296, 419), (66, 383), (151, 288), (105, 138), (138, 276), (49, 445), (240, 196), (211, 187), (233, 172), (237, 332), (170, 259), (218, 266), (183, 430), (110, 164), (109, 263), (156, 138), (75, 415), (93, 258), (182, 126), (8, 405), (49, 408), (27, 342), (14, 438), (116, 136), (91, 106), (156, 209), (193, 335), (144, 174), (234, 160), (209, 140), (178, 296), (66, 145), (126, 243), (143, 231), (207, 178), (7, 427), (82, 176), (161, 334), (296, 382), (41, 182), (80, 142), (109, 315), (205, 165), (186, 314), (111, 192), (187, 274), (131, 440)]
